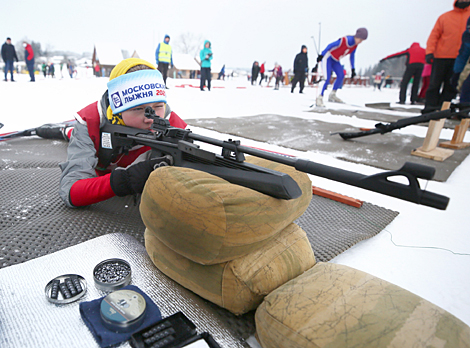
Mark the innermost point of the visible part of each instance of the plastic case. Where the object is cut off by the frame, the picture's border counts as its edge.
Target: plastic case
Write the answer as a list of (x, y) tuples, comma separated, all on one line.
[(171, 332)]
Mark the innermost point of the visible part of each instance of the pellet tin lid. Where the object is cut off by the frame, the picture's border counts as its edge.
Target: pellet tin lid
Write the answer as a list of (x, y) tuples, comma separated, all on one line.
[(65, 289), (112, 274), (123, 310)]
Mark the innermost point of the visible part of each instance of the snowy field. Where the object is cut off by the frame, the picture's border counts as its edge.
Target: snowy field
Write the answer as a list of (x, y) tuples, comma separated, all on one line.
[(424, 250)]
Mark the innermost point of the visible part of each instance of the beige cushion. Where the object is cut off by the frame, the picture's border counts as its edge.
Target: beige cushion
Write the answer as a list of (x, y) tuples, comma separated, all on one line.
[(209, 220), (333, 305), (241, 284)]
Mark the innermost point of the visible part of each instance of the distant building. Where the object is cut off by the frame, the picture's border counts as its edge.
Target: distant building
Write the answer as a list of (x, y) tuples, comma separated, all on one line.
[(107, 56)]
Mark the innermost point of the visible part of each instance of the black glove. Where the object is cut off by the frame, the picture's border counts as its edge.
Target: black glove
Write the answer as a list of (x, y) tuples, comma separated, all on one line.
[(131, 180), (319, 58), (429, 58), (454, 80), (353, 73)]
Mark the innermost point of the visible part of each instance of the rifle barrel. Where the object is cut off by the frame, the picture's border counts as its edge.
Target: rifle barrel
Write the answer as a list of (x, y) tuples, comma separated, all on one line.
[(376, 183)]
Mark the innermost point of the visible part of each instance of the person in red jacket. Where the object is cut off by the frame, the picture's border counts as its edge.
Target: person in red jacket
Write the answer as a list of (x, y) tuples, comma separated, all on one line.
[(29, 58), (261, 72), (89, 175), (441, 50), (414, 68)]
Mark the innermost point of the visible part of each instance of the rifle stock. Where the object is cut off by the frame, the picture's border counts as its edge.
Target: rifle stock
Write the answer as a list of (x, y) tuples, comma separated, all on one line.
[(167, 140)]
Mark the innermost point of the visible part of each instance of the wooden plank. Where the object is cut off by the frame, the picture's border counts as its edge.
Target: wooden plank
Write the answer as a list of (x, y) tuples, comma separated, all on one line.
[(432, 136), (437, 154), (337, 197)]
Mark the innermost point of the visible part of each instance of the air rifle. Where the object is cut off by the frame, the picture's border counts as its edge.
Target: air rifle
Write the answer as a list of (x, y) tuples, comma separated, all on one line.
[(381, 128), (231, 166)]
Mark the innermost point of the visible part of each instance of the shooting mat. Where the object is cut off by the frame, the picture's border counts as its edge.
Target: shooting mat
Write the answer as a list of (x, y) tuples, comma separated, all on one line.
[(36, 226), (389, 151)]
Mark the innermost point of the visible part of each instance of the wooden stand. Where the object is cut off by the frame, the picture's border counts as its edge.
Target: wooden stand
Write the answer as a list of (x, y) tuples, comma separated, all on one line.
[(429, 148), (457, 139)]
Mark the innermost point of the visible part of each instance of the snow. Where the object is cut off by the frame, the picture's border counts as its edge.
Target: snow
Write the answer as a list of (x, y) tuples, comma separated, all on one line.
[(424, 250)]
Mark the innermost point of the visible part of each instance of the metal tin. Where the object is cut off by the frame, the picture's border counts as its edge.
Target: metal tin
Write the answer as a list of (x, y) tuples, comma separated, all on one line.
[(60, 298), (112, 274), (123, 310)]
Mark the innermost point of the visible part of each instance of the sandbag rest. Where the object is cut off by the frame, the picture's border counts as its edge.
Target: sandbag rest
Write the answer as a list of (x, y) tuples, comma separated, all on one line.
[(333, 305), (241, 284), (209, 220)]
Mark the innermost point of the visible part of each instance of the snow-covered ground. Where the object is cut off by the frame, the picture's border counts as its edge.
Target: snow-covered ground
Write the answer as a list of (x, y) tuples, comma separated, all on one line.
[(424, 250)]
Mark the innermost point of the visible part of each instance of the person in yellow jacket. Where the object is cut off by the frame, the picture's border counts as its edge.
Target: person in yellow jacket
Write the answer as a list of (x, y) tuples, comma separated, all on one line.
[(164, 57), (442, 48)]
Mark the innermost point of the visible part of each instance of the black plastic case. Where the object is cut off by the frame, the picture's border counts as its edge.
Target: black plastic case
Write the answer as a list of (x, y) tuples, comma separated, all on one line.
[(172, 332)]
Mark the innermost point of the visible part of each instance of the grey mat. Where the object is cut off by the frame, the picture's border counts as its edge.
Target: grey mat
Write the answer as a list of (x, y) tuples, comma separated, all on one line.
[(389, 151), (34, 221), (28, 320)]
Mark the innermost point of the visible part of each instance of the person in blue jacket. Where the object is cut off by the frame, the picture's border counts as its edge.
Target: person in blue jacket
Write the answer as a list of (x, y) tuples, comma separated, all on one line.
[(333, 53), (164, 57), (206, 56), (461, 77)]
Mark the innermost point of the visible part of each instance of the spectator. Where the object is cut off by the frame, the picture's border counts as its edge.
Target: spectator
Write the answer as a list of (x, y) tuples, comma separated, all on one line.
[(300, 69), (8, 56), (44, 69), (97, 69), (460, 78), (206, 56), (441, 50), (164, 57), (334, 52), (278, 73), (221, 73), (378, 80), (29, 59), (261, 72), (414, 68), (51, 70), (254, 72), (425, 77)]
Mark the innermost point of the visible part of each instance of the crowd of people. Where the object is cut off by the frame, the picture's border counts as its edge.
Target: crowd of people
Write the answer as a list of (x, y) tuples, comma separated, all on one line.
[(436, 73), (9, 56)]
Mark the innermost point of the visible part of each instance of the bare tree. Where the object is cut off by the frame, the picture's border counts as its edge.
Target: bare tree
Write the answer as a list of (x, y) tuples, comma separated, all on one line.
[(189, 43)]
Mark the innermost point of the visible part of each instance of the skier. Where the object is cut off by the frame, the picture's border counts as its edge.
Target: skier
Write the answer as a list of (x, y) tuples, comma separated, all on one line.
[(86, 176), (333, 53), (300, 69), (414, 69)]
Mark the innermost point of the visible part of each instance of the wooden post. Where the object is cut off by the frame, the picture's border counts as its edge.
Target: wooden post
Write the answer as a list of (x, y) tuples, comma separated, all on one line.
[(429, 148), (457, 138)]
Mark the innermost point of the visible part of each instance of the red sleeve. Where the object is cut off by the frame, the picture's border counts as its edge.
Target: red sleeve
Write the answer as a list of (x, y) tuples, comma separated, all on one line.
[(398, 54), (90, 191), (176, 121)]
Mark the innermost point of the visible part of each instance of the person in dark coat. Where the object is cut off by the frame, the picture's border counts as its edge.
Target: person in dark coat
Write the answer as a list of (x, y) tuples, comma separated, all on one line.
[(254, 72), (8, 56), (300, 69), (414, 69), (461, 77)]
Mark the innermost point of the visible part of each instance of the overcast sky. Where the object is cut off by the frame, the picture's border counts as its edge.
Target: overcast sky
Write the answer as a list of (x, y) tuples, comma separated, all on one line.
[(241, 31)]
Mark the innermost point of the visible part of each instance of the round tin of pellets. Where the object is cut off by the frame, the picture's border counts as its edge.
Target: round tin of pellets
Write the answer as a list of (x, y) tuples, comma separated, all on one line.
[(123, 310), (112, 274), (65, 289)]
